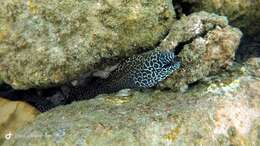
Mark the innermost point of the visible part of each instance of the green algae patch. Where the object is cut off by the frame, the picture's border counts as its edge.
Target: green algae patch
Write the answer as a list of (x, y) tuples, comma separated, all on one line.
[(118, 100), (173, 134)]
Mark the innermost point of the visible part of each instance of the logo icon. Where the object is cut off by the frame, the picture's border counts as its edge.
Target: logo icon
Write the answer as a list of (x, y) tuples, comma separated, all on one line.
[(8, 136)]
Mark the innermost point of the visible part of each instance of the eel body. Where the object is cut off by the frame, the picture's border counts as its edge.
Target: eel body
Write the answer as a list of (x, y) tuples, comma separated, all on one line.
[(136, 72)]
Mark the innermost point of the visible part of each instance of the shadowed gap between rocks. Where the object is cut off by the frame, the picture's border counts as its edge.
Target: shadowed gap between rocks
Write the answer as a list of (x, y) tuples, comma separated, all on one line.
[(248, 48), (181, 8)]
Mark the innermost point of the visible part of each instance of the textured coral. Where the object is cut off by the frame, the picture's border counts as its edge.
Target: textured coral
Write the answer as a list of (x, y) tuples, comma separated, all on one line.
[(190, 27), (209, 47)]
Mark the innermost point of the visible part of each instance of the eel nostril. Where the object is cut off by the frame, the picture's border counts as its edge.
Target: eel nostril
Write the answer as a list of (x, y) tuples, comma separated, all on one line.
[(177, 59)]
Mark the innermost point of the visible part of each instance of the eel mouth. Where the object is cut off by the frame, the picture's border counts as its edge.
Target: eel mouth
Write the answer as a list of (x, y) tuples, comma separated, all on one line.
[(175, 61)]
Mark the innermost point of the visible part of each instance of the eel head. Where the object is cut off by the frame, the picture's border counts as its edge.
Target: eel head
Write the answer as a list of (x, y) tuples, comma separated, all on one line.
[(156, 66)]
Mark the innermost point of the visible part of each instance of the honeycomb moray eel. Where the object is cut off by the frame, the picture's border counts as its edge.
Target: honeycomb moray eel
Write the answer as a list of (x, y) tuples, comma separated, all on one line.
[(136, 72)]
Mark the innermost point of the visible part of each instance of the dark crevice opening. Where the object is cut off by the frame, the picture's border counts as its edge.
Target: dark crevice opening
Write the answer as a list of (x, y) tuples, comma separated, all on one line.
[(181, 45), (248, 48), (193, 84), (45, 98), (181, 8)]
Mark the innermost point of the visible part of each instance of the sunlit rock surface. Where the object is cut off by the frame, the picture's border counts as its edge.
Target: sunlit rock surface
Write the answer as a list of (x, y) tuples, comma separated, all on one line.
[(221, 110), (14, 115), (49, 42)]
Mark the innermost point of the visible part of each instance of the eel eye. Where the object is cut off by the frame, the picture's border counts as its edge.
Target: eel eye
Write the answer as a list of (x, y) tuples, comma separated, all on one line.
[(172, 62), (168, 65)]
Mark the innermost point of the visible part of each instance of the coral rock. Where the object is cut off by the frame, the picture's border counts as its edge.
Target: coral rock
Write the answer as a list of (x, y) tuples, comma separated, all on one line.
[(209, 46)]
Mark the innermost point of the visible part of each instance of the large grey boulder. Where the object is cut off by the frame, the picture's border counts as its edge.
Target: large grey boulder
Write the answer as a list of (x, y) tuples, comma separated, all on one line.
[(44, 43)]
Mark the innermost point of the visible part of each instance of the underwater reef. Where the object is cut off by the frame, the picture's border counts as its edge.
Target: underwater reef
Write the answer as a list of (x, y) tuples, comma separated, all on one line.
[(210, 96)]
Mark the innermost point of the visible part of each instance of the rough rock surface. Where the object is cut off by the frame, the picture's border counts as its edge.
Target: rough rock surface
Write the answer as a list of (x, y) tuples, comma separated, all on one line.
[(49, 42), (14, 115), (207, 46), (222, 110), (244, 14)]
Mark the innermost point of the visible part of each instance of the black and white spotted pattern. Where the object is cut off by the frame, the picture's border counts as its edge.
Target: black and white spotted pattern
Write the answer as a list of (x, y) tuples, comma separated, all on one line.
[(145, 70)]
